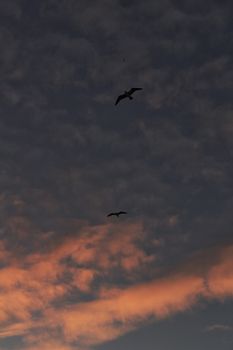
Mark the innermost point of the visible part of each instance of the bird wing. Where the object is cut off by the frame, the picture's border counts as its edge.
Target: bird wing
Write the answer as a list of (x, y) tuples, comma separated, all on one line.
[(131, 91), (111, 214), (122, 212), (120, 98)]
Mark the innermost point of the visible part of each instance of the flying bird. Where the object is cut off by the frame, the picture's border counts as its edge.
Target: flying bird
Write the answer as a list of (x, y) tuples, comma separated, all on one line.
[(127, 94), (117, 214)]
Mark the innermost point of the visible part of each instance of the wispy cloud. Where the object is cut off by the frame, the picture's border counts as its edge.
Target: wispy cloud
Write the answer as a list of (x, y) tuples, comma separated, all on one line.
[(219, 328)]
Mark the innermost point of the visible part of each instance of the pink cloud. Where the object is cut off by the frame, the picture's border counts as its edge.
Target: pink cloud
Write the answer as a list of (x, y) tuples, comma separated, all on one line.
[(220, 277), (40, 284), (107, 318), (82, 278)]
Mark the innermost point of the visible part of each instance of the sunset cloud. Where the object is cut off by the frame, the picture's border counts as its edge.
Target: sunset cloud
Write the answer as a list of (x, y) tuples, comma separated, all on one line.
[(32, 283), (220, 278), (31, 290)]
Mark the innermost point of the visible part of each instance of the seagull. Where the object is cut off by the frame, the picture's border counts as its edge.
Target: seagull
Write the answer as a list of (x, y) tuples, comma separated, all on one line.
[(127, 94), (117, 214)]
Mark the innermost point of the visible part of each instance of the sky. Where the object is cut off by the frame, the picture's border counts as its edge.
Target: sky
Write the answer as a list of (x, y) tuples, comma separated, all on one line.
[(160, 277)]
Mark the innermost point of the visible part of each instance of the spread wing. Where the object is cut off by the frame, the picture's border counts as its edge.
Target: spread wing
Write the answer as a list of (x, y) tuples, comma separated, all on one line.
[(119, 98), (131, 91), (111, 214), (122, 212)]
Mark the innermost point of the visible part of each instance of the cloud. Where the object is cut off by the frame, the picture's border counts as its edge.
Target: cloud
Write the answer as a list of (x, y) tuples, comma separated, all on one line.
[(219, 328), (124, 310), (220, 278), (106, 319), (31, 283), (67, 157), (15, 329), (11, 10), (61, 293), (49, 344)]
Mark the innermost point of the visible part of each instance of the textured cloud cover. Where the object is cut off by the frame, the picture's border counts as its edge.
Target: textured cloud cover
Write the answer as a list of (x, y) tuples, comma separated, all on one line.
[(71, 292), (70, 278)]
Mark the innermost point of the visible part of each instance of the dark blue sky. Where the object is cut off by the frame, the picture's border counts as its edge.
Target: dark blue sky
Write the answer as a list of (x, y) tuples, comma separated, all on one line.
[(161, 276)]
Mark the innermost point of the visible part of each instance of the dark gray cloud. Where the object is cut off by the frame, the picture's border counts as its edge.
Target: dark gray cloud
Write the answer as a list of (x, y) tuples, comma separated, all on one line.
[(64, 62), (67, 153)]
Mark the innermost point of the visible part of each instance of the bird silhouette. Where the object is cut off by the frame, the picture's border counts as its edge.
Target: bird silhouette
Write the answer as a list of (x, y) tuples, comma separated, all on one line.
[(127, 94), (117, 214)]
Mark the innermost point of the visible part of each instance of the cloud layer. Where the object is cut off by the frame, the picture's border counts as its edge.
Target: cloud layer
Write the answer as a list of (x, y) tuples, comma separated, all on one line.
[(71, 292), (69, 277)]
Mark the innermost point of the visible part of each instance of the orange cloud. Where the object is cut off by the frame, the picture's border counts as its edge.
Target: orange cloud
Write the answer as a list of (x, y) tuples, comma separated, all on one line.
[(31, 288), (15, 329), (50, 344), (118, 312), (82, 278), (220, 277), (32, 283), (107, 318)]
